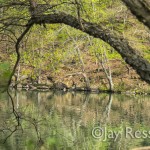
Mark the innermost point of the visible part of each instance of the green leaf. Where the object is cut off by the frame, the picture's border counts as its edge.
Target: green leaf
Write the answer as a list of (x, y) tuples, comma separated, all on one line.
[(4, 73)]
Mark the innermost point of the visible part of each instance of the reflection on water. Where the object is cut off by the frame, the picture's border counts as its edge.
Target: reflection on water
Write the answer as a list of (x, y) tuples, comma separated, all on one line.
[(67, 121)]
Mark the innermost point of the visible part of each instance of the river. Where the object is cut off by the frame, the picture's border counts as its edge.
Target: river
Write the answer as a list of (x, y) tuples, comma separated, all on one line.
[(74, 121)]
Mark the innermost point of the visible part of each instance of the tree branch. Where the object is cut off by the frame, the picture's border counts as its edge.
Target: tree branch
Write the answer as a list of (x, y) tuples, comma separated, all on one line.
[(141, 9), (17, 51), (121, 45)]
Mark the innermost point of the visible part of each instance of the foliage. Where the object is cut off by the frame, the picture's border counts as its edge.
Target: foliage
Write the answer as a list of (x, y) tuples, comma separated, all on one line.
[(48, 47), (5, 72)]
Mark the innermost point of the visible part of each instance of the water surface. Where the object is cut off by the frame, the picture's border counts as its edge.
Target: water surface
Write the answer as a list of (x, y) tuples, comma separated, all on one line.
[(74, 121)]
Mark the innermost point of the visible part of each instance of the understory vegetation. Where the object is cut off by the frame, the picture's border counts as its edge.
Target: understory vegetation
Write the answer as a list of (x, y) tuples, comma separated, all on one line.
[(59, 53)]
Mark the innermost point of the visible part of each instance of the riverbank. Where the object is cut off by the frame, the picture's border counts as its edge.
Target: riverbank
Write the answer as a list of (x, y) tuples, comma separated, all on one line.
[(70, 78)]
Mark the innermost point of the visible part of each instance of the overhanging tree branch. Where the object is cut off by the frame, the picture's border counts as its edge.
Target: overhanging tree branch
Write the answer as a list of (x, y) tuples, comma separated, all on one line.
[(141, 9), (121, 45)]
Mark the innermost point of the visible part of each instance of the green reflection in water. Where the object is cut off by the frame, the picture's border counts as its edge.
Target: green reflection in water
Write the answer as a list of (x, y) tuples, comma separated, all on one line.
[(65, 121)]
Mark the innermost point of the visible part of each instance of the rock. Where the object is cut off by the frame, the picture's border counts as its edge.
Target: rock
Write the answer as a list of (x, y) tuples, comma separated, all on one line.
[(49, 83), (42, 87), (14, 78), (19, 86), (25, 86), (32, 87), (95, 90), (23, 77), (60, 86)]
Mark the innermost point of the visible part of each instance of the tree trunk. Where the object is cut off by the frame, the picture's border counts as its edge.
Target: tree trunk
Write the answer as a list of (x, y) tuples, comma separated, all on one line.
[(121, 45), (86, 79), (106, 70), (141, 9)]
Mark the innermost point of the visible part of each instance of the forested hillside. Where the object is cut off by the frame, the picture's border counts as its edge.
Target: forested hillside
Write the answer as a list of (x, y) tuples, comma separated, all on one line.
[(51, 53)]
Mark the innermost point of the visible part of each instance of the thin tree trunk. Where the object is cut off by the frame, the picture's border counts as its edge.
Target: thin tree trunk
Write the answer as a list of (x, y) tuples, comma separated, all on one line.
[(18, 73), (39, 64), (106, 71), (82, 62)]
